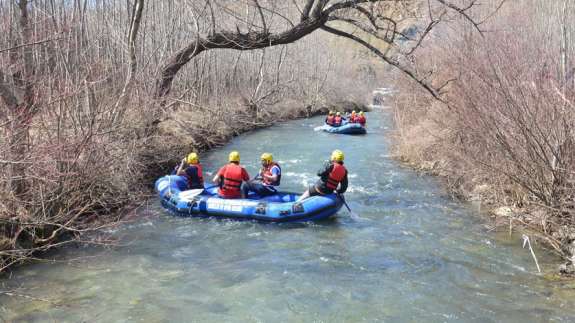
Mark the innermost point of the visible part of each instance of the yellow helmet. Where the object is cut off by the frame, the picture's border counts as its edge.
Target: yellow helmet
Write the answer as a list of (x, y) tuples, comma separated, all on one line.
[(338, 113), (330, 112), (337, 155), (234, 156), (192, 158), (360, 113), (353, 112), (267, 157)]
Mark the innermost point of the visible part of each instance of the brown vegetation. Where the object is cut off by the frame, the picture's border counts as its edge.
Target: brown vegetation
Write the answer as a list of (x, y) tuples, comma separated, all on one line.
[(83, 134), (504, 132), (100, 97)]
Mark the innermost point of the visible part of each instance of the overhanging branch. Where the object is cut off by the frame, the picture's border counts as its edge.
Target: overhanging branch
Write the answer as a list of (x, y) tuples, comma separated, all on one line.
[(232, 40), (463, 12), (387, 59)]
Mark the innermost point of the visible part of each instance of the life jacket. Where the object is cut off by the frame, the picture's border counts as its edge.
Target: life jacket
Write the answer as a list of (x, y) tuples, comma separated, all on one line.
[(200, 179), (335, 176), (361, 120), (337, 121), (329, 120), (353, 118), (231, 181), (268, 172)]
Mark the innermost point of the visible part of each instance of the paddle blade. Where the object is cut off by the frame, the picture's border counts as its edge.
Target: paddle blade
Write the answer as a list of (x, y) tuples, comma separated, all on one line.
[(190, 194), (354, 216)]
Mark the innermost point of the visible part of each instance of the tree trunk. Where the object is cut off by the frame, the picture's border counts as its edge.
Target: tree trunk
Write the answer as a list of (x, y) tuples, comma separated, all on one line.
[(21, 105)]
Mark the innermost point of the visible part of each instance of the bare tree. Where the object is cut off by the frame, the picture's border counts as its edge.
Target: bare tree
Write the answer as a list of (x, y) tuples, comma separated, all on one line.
[(315, 15), (509, 126), (137, 10), (79, 78), (19, 97)]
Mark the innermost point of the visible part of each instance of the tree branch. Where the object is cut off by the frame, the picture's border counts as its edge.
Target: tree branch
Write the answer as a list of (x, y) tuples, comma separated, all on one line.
[(30, 44), (259, 8), (317, 11), (357, 24), (306, 10), (432, 24), (387, 59), (132, 60), (346, 5), (232, 40), (462, 11)]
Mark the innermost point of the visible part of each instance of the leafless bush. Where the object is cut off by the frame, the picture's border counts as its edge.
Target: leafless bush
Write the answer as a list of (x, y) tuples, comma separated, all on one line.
[(76, 88), (98, 97), (508, 122)]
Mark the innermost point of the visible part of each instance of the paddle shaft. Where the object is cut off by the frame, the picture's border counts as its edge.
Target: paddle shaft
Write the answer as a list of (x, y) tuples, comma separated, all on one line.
[(344, 202)]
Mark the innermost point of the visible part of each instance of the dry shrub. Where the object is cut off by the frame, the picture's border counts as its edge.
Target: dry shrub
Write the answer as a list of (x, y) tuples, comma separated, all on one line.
[(81, 154), (509, 124), (80, 169)]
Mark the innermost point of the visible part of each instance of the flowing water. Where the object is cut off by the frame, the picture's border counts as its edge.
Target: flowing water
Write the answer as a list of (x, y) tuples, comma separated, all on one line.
[(408, 254)]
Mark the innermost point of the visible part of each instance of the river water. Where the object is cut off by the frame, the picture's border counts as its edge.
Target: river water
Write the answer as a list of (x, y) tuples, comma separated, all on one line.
[(408, 254)]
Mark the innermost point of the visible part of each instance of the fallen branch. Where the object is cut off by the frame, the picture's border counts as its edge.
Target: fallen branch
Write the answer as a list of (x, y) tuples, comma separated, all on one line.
[(526, 241)]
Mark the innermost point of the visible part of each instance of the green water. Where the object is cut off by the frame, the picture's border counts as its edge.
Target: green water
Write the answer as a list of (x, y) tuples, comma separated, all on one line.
[(410, 255)]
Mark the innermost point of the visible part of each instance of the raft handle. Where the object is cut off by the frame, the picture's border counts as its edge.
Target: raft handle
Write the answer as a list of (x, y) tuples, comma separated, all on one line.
[(261, 208), (297, 208)]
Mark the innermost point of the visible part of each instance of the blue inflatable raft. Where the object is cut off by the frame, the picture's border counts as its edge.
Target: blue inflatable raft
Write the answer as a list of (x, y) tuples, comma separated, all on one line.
[(346, 128), (280, 207)]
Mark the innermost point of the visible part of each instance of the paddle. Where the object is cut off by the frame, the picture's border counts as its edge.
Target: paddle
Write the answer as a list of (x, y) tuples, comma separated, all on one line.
[(344, 202), (190, 194), (353, 215)]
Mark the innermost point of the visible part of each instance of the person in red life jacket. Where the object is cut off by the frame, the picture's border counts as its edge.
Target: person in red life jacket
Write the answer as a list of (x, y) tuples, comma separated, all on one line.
[(361, 119), (353, 117), (230, 178), (330, 118), (337, 120), (191, 169), (333, 177), (270, 176)]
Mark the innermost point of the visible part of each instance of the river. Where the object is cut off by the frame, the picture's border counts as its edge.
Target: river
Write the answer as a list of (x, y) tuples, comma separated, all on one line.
[(409, 254)]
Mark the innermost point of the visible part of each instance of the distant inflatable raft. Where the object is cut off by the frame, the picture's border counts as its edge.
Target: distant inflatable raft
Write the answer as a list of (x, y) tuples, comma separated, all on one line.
[(346, 129), (280, 207)]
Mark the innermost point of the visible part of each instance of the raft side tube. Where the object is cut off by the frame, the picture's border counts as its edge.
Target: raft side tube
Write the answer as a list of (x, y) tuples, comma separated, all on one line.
[(346, 129), (280, 207)]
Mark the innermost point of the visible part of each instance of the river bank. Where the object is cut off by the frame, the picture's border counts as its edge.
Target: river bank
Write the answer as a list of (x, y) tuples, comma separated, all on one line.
[(501, 129), (186, 130), (428, 148)]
